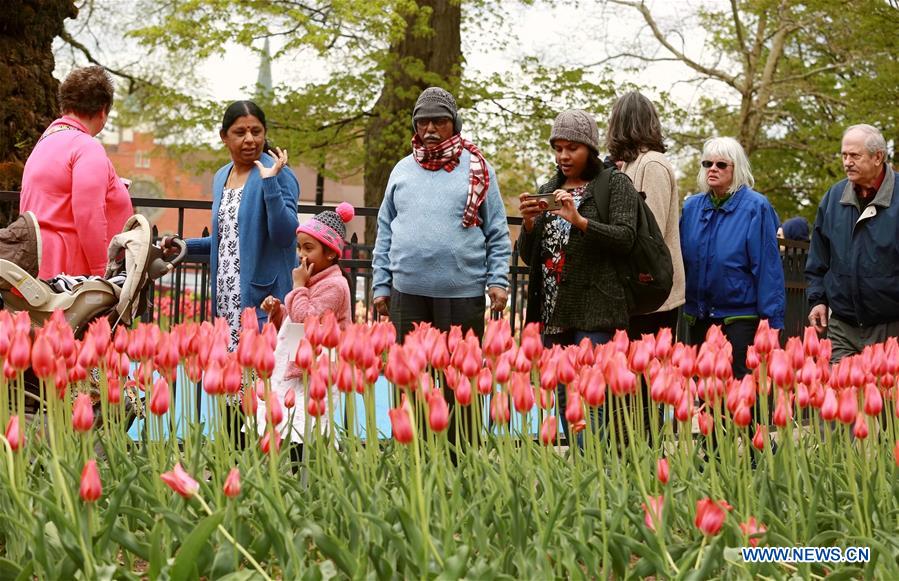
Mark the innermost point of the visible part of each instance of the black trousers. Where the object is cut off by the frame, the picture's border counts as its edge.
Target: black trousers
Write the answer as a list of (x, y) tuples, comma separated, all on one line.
[(469, 313)]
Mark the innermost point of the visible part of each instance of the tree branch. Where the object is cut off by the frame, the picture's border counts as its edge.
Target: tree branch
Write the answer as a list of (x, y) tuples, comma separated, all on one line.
[(663, 40), (135, 81)]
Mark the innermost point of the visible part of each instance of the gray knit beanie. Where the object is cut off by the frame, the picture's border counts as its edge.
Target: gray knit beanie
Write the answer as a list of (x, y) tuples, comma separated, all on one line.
[(435, 102), (576, 125)]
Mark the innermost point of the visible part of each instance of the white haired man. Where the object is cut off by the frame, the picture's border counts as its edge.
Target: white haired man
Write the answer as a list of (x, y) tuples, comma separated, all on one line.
[(853, 262)]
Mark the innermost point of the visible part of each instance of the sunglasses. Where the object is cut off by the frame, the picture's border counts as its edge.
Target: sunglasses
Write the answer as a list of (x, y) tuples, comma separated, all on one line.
[(719, 164)]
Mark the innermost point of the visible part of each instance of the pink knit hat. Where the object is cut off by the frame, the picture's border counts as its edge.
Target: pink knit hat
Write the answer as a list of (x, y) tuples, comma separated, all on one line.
[(329, 227)]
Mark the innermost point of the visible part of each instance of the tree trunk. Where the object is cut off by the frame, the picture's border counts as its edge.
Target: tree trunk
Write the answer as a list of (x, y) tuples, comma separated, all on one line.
[(27, 87), (423, 58)]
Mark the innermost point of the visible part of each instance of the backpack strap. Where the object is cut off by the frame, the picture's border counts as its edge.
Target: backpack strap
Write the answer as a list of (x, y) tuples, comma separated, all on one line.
[(602, 193)]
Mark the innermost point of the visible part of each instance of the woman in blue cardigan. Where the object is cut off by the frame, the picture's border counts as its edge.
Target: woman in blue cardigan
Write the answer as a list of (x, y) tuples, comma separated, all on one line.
[(252, 242), (732, 263)]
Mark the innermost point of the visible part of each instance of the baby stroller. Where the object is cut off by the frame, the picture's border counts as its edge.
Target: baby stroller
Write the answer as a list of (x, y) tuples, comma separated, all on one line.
[(121, 295)]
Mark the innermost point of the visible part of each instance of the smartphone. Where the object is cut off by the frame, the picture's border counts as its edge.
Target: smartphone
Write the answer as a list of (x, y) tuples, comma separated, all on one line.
[(547, 201)]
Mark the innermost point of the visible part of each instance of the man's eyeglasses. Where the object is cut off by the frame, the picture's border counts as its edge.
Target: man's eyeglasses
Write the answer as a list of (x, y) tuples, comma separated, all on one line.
[(439, 123), (719, 164)]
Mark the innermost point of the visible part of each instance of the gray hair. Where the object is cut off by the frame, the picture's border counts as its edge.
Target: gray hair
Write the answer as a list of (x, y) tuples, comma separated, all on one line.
[(729, 148), (874, 140)]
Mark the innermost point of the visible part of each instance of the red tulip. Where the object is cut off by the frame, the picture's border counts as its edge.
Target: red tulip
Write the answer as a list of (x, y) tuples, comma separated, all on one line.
[(549, 430), (263, 357), (159, 401), (743, 415), (548, 377), (113, 390), (265, 444), (403, 430), (91, 489), (503, 370), (330, 330), (274, 413), (860, 429), (522, 393), (316, 407), (485, 381), (783, 411), (20, 351), (499, 408), (463, 389), (752, 528), (705, 421), (653, 512), (547, 399), (43, 359), (662, 470), (760, 437), (290, 399), (848, 408), (14, 434), (764, 341), (438, 411), (83, 413), (830, 407), (232, 483), (710, 515), (684, 410), (565, 370), (212, 379), (752, 358), (531, 344), (873, 400), (594, 386), (779, 368), (663, 343), (470, 365), (305, 355), (574, 411), (180, 481), (398, 370)]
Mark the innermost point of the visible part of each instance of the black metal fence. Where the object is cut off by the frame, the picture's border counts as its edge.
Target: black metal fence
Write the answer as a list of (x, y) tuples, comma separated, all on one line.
[(185, 293)]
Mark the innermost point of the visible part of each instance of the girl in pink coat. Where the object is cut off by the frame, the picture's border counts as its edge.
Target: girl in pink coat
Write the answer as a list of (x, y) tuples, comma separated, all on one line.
[(319, 286)]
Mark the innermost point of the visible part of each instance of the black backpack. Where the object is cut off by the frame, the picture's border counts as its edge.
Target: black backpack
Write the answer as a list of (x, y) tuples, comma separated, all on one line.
[(647, 274)]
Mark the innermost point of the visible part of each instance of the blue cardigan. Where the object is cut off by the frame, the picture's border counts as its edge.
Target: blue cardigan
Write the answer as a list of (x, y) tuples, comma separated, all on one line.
[(267, 223), (731, 258)]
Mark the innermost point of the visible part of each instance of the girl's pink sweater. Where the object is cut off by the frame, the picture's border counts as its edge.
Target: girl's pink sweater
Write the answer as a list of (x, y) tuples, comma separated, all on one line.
[(326, 291), (79, 201)]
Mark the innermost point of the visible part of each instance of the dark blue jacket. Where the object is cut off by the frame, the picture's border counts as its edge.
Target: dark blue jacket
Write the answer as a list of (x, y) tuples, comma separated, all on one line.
[(853, 261), (731, 258), (267, 223)]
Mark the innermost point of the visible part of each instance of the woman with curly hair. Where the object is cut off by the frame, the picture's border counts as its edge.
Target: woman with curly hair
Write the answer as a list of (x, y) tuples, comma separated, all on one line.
[(70, 184)]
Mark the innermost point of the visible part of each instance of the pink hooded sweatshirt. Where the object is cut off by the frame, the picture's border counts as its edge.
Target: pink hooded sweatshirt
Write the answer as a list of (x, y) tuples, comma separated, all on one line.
[(80, 203)]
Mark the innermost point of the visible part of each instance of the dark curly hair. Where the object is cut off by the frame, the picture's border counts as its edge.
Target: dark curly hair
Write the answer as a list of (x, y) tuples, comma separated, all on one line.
[(633, 125), (86, 91)]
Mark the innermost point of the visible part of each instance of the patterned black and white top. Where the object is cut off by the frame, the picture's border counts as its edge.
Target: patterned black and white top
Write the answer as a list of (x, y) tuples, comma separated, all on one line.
[(228, 276), (555, 237)]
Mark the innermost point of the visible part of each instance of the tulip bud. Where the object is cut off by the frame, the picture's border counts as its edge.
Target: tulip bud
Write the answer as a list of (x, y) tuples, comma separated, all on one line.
[(265, 444), (549, 430), (316, 407), (860, 429), (574, 411), (83, 413), (760, 437), (14, 434), (290, 399), (848, 408), (401, 424), (873, 400), (91, 489), (653, 512), (830, 407), (159, 401), (752, 528), (710, 515), (274, 413), (438, 411), (232, 483), (180, 481), (43, 359), (463, 390), (662, 470), (499, 408)]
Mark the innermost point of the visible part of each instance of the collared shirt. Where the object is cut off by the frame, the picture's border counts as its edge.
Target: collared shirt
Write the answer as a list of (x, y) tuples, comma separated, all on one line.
[(866, 195)]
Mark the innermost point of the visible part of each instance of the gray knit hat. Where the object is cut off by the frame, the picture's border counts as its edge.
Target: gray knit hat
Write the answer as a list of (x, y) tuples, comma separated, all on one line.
[(436, 102), (576, 125)]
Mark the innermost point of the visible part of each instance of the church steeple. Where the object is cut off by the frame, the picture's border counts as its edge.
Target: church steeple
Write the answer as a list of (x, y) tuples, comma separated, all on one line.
[(264, 79)]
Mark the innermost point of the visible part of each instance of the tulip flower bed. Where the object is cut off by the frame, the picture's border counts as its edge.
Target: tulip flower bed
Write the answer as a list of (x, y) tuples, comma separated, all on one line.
[(645, 495)]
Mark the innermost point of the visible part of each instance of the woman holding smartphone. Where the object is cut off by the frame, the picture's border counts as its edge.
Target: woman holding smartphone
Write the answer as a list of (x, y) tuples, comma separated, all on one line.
[(574, 289)]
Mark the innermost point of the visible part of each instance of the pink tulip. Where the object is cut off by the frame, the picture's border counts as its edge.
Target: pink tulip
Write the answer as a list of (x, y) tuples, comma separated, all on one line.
[(499, 408), (438, 411), (743, 415), (113, 390), (485, 381), (653, 512), (752, 358), (547, 399), (830, 407), (316, 407), (290, 399), (860, 429), (873, 400), (549, 430), (565, 370), (463, 389), (403, 431), (779, 368), (783, 411), (83, 413), (522, 393), (305, 355), (265, 444), (662, 470), (810, 341), (760, 437), (706, 422), (91, 488), (19, 357), (232, 483), (574, 411), (43, 359), (594, 386), (14, 434), (752, 528), (710, 515), (274, 413), (764, 341), (232, 376), (180, 481), (159, 401), (531, 344), (848, 408)]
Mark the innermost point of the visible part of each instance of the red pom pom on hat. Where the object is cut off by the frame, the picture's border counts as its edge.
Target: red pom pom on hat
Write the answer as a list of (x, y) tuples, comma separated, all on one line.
[(346, 211)]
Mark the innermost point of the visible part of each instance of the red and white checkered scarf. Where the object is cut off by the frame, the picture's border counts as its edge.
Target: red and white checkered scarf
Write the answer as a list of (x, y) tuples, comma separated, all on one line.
[(446, 156)]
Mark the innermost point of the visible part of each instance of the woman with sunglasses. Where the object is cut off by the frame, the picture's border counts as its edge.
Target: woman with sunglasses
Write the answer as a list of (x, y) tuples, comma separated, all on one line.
[(732, 262)]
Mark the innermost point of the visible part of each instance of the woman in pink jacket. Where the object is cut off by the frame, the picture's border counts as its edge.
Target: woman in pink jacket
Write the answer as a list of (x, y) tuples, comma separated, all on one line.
[(69, 182)]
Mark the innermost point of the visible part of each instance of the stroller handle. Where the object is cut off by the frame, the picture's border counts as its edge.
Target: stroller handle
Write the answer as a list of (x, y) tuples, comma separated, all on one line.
[(163, 262)]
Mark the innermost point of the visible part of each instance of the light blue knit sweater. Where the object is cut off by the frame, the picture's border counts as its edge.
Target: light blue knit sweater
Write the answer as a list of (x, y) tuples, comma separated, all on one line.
[(422, 248)]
